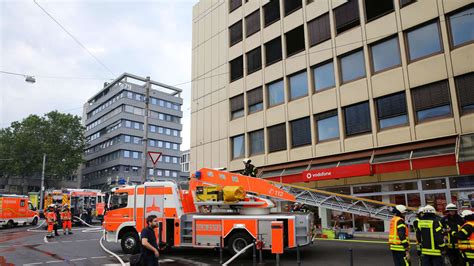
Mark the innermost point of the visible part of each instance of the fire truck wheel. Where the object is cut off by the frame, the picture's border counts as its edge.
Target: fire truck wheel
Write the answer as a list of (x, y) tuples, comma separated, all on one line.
[(10, 224), (239, 241), (35, 221), (130, 243)]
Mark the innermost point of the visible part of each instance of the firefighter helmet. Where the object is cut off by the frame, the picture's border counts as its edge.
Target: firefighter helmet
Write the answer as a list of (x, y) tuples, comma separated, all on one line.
[(466, 213), (451, 207), (247, 160), (400, 209), (421, 210), (429, 209)]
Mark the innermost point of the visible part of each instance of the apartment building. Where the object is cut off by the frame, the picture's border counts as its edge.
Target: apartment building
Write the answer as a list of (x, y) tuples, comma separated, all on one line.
[(114, 121), (372, 98)]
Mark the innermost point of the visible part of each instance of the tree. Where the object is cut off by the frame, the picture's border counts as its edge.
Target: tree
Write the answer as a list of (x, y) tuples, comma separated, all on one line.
[(59, 135)]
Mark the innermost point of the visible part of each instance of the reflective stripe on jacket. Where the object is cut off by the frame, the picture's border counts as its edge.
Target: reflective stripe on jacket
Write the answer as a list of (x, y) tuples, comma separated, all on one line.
[(431, 234), (466, 239)]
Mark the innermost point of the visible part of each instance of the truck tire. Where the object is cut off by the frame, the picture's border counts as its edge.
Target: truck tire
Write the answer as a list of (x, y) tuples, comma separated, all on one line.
[(239, 241), (35, 221), (130, 243), (10, 224)]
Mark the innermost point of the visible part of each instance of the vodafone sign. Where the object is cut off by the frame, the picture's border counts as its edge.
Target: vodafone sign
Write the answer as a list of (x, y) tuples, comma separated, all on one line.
[(336, 172)]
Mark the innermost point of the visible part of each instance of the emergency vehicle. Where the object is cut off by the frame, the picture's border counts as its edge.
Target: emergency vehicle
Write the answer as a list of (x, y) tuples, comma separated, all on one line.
[(220, 209), (79, 200), (16, 209)]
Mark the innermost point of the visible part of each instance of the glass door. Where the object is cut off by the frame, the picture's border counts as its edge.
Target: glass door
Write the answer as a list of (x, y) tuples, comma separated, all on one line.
[(436, 199)]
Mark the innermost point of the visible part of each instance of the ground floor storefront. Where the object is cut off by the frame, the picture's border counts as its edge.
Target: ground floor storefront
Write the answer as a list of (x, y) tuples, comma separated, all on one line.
[(435, 172)]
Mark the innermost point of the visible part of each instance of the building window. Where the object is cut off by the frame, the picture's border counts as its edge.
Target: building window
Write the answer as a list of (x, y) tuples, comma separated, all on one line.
[(460, 24), (319, 30), (271, 12), (126, 154), (392, 110), (276, 93), (255, 100), (324, 76), (294, 41), (300, 132), (238, 147), (377, 8), (252, 23), (236, 68), (254, 60), (273, 51), (406, 2), (432, 100), (135, 155), (127, 138), (235, 32), (256, 142), (237, 106), (465, 89), (292, 5), (423, 41), (347, 16), (327, 125), (357, 119), (385, 55), (277, 138), (298, 85), (352, 66), (234, 4)]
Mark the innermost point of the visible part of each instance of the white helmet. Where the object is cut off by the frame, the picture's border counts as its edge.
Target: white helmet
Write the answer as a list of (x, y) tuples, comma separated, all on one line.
[(451, 207), (401, 208), (429, 209), (247, 160), (421, 210), (466, 213)]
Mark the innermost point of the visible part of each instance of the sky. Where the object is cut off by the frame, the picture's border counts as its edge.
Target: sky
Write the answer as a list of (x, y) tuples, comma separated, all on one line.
[(146, 38)]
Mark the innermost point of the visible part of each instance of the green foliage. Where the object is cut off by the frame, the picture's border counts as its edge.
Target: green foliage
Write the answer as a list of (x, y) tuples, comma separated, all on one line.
[(60, 136)]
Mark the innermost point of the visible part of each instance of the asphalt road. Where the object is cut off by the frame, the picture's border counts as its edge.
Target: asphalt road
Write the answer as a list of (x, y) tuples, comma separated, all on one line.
[(20, 247)]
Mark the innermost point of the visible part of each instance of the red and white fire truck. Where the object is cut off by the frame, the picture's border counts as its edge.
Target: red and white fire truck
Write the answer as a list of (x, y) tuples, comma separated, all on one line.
[(79, 200), (220, 209)]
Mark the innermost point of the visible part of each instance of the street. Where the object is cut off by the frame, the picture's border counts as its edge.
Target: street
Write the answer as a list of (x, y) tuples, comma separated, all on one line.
[(21, 247)]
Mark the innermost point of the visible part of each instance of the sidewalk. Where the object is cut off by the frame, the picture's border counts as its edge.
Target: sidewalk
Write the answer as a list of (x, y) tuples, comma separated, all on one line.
[(378, 235)]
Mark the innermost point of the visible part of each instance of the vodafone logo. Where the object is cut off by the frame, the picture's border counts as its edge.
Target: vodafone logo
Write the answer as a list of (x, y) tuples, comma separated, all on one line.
[(316, 175), (308, 175)]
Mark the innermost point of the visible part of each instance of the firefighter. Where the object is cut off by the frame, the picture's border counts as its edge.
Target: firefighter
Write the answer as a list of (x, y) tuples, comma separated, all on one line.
[(419, 215), (431, 236), (452, 222), (398, 237), (465, 238), (66, 218), (57, 222), (250, 169), (50, 219)]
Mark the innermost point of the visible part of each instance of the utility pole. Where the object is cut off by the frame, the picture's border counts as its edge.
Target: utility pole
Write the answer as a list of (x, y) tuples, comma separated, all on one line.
[(42, 183), (145, 130)]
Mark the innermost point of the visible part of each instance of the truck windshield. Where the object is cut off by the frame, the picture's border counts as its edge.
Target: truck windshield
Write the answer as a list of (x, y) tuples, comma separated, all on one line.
[(118, 200)]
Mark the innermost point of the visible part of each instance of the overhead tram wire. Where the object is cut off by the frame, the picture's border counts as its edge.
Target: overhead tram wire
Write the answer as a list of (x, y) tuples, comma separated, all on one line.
[(75, 39), (51, 77)]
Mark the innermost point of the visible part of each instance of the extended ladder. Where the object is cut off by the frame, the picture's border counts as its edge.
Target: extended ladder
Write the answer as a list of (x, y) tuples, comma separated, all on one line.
[(340, 202)]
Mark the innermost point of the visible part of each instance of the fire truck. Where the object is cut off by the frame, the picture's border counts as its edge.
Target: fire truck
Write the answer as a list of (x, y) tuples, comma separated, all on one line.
[(16, 209), (79, 200), (220, 209)]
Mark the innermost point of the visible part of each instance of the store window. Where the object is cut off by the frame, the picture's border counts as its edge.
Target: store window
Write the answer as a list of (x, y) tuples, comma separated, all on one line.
[(402, 186), (340, 190), (414, 200), (367, 189), (433, 184), (398, 199), (437, 200), (461, 182)]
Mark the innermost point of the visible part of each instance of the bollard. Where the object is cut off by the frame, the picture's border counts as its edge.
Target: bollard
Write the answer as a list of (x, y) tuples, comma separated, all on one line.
[(277, 259), (220, 253), (351, 259), (254, 255), (298, 258)]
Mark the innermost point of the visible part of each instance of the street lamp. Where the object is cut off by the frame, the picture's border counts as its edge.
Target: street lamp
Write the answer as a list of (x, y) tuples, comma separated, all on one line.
[(30, 79)]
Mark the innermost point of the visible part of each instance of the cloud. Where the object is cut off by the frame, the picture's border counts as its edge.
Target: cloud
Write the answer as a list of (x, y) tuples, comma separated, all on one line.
[(146, 38)]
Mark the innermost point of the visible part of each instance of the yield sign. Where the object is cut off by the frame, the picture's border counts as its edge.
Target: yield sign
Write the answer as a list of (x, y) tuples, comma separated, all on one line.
[(154, 156)]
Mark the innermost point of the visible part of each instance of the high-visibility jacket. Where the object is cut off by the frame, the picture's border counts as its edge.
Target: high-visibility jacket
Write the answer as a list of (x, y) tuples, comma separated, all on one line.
[(50, 217), (454, 223), (398, 235), (430, 235), (465, 238), (415, 227), (66, 215), (250, 170)]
